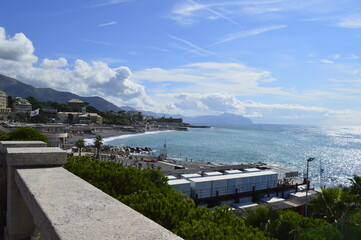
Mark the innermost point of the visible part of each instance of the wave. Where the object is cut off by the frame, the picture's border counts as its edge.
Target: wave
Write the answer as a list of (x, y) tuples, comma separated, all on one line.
[(89, 141)]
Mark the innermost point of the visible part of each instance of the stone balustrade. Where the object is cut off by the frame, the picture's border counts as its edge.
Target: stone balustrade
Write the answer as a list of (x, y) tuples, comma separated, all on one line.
[(43, 197)]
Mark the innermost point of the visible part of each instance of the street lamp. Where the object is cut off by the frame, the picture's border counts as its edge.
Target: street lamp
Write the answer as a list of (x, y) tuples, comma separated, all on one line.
[(307, 184)]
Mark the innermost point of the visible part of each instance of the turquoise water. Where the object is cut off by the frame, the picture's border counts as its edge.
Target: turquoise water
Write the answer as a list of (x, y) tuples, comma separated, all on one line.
[(338, 149)]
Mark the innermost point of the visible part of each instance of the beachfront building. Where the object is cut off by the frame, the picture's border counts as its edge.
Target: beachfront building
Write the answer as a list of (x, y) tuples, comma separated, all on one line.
[(21, 105), (77, 105), (78, 117), (135, 116), (174, 122), (88, 118), (4, 110)]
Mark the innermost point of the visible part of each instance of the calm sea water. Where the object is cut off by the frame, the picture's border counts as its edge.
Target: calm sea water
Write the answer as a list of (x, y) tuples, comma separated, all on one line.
[(337, 149)]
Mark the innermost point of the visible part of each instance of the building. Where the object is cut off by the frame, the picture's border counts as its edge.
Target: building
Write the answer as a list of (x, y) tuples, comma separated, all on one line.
[(88, 118), (21, 105), (77, 105), (4, 110), (3, 99), (163, 121), (77, 117), (135, 116)]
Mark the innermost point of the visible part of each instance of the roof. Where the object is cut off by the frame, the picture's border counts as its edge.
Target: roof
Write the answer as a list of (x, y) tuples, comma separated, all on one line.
[(75, 101), (233, 176), (178, 181)]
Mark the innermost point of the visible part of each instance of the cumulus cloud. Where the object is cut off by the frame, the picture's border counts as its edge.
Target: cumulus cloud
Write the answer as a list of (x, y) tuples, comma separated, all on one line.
[(16, 49), (211, 103), (204, 77), (47, 63), (17, 60)]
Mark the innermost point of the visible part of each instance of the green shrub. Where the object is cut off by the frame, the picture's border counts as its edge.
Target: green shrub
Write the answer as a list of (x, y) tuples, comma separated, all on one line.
[(147, 192), (24, 134)]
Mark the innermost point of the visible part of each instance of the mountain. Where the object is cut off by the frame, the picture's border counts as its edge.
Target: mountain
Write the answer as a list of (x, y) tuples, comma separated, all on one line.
[(15, 88), (223, 119)]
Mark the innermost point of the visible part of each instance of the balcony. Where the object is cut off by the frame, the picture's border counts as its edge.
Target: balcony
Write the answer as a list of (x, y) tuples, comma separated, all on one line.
[(42, 200)]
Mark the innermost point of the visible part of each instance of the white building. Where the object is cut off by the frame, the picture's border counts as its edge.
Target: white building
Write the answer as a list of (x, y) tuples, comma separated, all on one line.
[(21, 105), (4, 110)]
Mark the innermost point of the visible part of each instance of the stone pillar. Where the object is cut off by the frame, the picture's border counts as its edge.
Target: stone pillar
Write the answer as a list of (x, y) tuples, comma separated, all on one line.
[(3, 174), (19, 221)]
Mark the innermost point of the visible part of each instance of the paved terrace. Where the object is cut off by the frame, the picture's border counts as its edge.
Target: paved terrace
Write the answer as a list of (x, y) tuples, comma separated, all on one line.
[(42, 200)]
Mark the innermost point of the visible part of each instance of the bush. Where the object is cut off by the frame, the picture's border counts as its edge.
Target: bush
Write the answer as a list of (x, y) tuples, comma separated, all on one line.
[(147, 192), (24, 134)]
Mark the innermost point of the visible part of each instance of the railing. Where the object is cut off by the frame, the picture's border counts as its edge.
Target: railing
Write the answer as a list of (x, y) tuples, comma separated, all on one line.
[(45, 201)]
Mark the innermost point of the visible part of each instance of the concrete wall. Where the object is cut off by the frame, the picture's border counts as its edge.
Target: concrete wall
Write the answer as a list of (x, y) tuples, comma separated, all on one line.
[(41, 194)]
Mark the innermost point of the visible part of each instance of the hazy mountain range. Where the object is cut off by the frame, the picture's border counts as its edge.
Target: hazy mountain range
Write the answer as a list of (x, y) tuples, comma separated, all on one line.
[(15, 88)]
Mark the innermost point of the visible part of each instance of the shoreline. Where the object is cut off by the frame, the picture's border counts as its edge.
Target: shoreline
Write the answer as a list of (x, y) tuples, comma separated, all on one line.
[(112, 135)]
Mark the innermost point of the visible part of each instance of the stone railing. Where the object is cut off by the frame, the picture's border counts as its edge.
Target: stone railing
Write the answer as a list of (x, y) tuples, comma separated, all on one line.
[(45, 201)]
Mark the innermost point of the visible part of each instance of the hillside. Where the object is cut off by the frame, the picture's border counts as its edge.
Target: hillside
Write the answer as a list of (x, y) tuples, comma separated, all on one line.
[(223, 119), (16, 88)]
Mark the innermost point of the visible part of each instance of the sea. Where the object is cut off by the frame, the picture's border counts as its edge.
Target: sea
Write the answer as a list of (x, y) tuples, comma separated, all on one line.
[(337, 150)]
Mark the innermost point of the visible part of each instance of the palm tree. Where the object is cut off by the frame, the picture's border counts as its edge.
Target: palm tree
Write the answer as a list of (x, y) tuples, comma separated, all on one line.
[(331, 203), (356, 185), (98, 143), (261, 217), (80, 144)]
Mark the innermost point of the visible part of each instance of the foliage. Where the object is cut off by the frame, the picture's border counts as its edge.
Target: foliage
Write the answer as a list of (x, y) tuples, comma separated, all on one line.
[(355, 187), (147, 192), (80, 144), (332, 203), (288, 224), (34, 102), (261, 217), (98, 143), (24, 134)]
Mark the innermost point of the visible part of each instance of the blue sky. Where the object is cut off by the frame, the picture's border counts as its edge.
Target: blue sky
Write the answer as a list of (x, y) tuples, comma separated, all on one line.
[(274, 61)]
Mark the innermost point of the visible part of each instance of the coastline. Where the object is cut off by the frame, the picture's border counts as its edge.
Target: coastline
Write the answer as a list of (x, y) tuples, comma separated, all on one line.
[(112, 135)]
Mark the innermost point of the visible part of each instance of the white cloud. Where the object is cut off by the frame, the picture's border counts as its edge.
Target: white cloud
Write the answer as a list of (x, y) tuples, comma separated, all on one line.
[(194, 48), (353, 57), (96, 42), (109, 2), (205, 77), (47, 63), (107, 24), (16, 49), (83, 78), (352, 21), (248, 33), (210, 103), (327, 61), (187, 12)]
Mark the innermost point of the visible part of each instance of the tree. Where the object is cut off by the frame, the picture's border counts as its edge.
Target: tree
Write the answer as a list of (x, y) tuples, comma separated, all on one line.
[(332, 203), (261, 217), (147, 192), (24, 134), (34, 102), (356, 185), (70, 118), (80, 144), (98, 143)]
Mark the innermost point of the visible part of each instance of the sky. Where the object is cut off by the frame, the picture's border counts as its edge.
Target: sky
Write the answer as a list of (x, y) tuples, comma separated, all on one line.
[(273, 61)]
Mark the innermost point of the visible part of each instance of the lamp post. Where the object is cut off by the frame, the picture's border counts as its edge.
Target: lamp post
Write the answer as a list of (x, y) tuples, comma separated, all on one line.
[(307, 184)]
